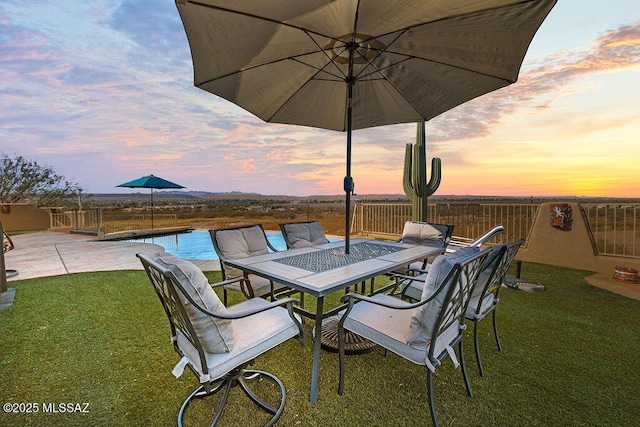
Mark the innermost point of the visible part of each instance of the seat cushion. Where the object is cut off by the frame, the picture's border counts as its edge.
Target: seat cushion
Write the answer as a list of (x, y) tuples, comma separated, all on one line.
[(472, 309), (423, 322), (390, 328), (252, 336), (420, 233), (261, 286), (303, 235), (240, 243), (215, 335)]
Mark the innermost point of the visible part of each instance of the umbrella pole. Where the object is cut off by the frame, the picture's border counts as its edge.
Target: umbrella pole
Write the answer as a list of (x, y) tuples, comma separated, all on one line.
[(348, 180), (152, 208)]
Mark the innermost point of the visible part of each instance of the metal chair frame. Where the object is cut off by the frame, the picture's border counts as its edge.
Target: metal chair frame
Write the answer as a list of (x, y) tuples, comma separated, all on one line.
[(452, 311), (492, 286), (167, 287)]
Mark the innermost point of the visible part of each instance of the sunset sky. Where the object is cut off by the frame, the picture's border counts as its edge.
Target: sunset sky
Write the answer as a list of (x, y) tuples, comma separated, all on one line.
[(102, 91)]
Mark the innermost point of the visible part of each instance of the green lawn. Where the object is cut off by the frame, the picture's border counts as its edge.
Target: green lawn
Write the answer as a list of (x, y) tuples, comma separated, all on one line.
[(571, 357)]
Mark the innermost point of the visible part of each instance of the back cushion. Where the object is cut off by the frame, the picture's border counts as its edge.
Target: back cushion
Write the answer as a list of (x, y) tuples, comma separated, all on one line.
[(215, 335), (421, 233), (240, 243), (305, 235), (423, 322)]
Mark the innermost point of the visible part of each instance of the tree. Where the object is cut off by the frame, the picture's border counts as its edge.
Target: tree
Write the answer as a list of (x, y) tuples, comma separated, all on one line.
[(26, 181)]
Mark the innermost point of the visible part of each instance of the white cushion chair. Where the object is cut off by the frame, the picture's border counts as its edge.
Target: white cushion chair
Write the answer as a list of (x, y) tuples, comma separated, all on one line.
[(218, 343), (424, 332), (424, 233), (303, 234), (412, 282), (243, 242), (484, 297)]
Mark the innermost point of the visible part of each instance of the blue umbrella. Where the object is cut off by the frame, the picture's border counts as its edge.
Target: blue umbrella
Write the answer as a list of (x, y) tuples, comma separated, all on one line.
[(151, 182)]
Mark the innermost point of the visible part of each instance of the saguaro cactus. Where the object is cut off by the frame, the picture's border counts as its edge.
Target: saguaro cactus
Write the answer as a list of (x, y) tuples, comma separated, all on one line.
[(414, 178)]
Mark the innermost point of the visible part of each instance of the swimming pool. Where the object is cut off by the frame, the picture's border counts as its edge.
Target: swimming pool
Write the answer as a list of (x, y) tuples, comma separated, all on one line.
[(197, 244)]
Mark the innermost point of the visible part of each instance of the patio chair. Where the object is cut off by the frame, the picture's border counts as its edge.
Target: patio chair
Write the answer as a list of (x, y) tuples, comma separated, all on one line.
[(303, 234), (424, 332), (218, 343), (243, 242), (484, 297), (423, 233), (411, 287)]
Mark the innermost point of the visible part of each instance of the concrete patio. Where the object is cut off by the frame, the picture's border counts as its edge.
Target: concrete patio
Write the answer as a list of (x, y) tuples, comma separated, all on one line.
[(49, 253)]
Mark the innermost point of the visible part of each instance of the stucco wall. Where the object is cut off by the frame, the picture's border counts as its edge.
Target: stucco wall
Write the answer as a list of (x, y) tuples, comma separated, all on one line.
[(23, 217), (550, 245)]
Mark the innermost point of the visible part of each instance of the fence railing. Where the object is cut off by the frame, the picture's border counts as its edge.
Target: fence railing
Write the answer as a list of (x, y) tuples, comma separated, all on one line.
[(615, 228), (116, 223), (78, 219), (97, 220), (470, 220)]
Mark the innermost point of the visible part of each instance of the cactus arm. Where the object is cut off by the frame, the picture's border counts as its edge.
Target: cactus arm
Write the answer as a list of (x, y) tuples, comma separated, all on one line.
[(436, 176)]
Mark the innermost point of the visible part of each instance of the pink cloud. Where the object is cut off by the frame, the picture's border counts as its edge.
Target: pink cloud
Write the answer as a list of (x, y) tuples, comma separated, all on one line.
[(616, 50)]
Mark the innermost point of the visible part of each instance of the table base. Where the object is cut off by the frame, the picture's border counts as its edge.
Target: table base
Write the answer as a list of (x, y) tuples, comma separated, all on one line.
[(354, 343)]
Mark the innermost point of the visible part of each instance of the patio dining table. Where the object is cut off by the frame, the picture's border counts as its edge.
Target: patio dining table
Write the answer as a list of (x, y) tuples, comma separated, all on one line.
[(321, 270)]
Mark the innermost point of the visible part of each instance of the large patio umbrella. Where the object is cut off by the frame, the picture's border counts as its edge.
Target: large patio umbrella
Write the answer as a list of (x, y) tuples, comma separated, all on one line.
[(352, 64), (151, 182)]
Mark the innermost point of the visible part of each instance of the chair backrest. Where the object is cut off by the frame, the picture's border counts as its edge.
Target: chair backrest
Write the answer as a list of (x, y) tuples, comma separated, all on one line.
[(237, 243), (421, 233), (447, 292), (303, 234), (492, 275), (171, 296)]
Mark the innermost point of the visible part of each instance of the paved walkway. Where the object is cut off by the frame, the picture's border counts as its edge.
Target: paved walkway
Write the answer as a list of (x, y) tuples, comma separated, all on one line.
[(51, 253)]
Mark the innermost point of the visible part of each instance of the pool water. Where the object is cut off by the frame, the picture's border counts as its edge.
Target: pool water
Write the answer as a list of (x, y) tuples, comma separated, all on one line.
[(197, 244)]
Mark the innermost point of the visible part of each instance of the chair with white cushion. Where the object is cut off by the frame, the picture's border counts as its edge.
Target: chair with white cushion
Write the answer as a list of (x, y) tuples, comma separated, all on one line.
[(424, 332), (303, 234), (411, 287), (242, 242), (484, 296), (218, 343), (424, 233)]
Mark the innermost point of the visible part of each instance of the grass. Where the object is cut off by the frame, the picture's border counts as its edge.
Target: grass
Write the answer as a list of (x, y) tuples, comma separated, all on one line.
[(571, 357)]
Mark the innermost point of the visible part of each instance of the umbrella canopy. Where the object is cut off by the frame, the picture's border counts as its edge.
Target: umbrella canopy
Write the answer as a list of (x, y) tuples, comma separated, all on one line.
[(352, 64), (151, 182)]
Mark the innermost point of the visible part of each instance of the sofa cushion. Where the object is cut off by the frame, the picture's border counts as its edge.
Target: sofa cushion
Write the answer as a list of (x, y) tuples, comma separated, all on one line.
[(215, 335), (423, 322)]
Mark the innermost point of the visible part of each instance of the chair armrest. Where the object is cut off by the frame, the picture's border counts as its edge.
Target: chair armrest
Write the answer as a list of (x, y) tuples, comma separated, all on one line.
[(408, 277), (227, 282), (288, 302), (353, 298)]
